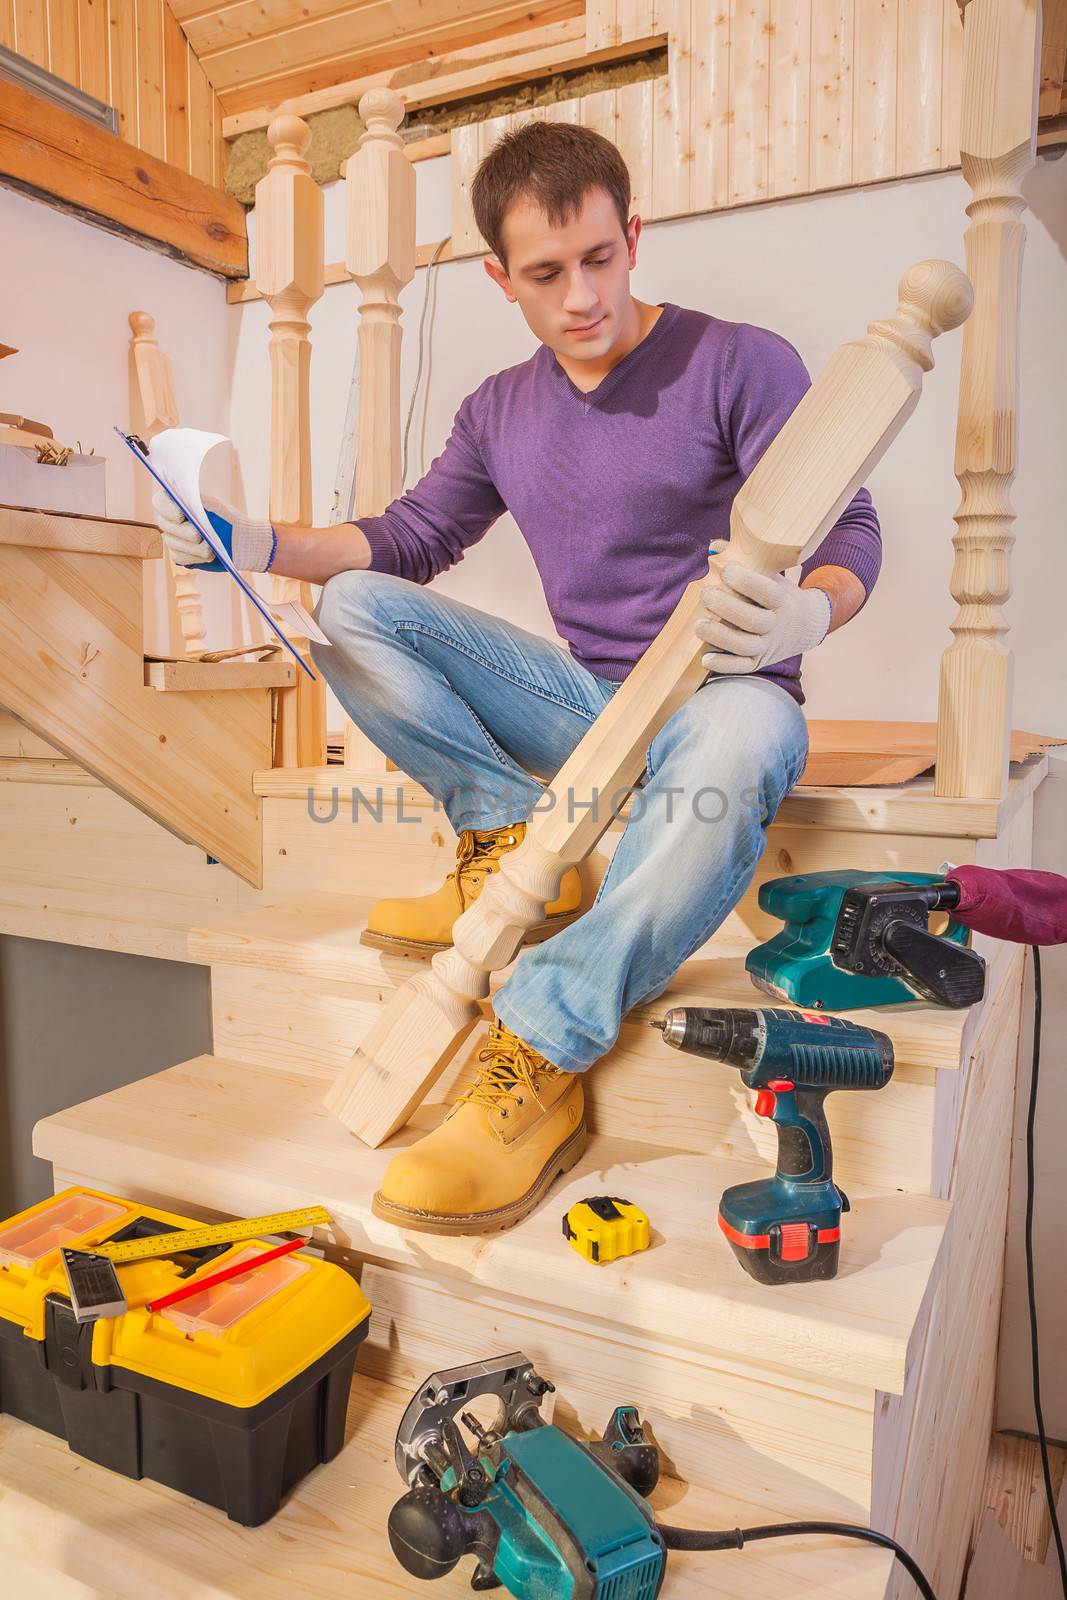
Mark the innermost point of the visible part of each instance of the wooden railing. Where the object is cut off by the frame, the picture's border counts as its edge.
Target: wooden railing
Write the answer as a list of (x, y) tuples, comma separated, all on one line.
[(999, 116)]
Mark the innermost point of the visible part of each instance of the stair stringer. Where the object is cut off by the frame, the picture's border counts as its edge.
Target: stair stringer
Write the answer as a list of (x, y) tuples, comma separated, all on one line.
[(72, 668)]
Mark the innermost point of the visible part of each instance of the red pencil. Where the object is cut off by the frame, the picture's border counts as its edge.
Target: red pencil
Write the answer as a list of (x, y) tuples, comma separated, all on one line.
[(238, 1268)]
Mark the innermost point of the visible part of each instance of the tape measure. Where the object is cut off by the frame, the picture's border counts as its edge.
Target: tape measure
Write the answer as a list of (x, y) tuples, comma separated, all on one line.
[(603, 1228), (176, 1243)]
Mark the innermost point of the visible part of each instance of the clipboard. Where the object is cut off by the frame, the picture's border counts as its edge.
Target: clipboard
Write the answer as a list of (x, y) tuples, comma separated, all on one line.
[(214, 544)]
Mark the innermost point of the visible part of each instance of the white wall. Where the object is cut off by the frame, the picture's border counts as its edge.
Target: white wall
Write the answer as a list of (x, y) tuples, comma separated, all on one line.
[(67, 291), (817, 270)]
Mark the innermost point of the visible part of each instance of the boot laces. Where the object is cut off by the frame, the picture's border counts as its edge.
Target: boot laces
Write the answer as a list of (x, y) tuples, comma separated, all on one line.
[(481, 849), (510, 1063)]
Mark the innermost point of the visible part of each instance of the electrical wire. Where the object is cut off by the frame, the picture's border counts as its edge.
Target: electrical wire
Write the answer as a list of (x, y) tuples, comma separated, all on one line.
[(431, 269), (736, 1538), (1031, 1285)]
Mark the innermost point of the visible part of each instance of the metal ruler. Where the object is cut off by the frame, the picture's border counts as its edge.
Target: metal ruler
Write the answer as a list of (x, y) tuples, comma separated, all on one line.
[(172, 1244)]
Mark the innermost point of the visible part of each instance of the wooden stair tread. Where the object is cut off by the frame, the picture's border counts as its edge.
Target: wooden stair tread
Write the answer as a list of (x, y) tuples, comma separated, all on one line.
[(201, 676), (318, 937), (233, 1138), (66, 1517), (68, 530)]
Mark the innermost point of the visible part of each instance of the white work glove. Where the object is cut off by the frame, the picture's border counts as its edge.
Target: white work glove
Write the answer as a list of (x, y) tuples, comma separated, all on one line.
[(250, 545), (754, 620)]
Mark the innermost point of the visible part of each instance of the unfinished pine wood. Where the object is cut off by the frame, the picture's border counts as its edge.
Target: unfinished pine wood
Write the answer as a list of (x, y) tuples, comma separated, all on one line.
[(18, 741), (711, 1419), (69, 162), (790, 97), (239, 44), (262, 1134), (1001, 60), (930, 1444), (153, 408), (810, 471), (289, 275), (380, 256), (208, 677), (61, 530), (874, 149), (472, 68), (71, 666), (81, 1531)]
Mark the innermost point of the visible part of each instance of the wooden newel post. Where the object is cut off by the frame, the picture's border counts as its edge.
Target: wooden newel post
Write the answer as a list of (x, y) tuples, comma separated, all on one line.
[(154, 407), (1001, 57), (380, 255), (794, 495), (289, 275)]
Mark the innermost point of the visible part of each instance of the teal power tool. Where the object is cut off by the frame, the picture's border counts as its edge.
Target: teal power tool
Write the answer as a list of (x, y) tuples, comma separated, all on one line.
[(856, 939), (786, 1229), (547, 1517)]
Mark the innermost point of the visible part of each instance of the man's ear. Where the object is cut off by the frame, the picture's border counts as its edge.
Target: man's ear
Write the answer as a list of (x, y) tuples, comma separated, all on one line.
[(633, 233), (500, 277)]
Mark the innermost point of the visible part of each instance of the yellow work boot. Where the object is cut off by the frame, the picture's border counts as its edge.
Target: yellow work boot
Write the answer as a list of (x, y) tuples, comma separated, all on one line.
[(421, 925), (518, 1126)]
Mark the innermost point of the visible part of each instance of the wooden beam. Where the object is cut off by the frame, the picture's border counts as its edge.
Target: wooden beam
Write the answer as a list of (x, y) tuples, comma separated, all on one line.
[(408, 79), (57, 157), (321, 51), (198, 677)]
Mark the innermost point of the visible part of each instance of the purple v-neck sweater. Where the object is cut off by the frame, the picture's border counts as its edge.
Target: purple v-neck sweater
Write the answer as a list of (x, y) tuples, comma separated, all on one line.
[(619, 492)]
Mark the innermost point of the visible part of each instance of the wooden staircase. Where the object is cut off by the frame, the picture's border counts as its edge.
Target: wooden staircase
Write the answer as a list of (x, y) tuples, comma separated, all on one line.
[(866, 1399)]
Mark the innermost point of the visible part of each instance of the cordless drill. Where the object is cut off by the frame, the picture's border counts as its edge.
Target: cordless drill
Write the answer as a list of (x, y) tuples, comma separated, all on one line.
[(786, 1229)]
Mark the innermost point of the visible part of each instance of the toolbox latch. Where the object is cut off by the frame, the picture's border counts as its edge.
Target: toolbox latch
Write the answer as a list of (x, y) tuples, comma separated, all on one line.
[(68, 1344)]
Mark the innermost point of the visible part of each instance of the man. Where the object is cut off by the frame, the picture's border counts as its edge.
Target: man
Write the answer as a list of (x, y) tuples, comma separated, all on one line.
[(618, 448)]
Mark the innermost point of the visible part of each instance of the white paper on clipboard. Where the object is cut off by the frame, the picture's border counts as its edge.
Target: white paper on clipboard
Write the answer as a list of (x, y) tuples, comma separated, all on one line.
[(175, 461)]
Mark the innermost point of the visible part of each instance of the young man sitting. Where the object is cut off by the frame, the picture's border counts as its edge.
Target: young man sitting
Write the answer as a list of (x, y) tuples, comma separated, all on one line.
[(618, 447)]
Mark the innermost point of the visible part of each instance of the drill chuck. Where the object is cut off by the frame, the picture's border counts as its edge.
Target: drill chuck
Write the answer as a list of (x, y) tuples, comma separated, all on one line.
[(735, 1037)]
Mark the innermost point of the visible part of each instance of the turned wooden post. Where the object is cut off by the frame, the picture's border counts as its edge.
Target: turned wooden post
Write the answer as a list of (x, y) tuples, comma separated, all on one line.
[(380, 256), (796, 493), (289, 275), (152, 389), (1001, 58)]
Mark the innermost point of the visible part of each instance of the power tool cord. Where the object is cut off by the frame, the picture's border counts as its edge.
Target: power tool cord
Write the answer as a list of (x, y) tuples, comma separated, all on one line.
[(1031, 1289), (736, 1538)]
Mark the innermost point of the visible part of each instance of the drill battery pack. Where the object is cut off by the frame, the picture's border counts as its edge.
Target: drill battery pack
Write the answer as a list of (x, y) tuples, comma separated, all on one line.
[(230, 1396)]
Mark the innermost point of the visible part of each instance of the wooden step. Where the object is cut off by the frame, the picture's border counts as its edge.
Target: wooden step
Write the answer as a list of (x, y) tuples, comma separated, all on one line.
[(236, 1139), (293, 988), (76, 1531), (206, 677)]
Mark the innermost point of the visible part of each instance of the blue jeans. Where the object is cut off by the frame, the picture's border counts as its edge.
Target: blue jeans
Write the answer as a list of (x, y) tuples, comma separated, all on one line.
[(472, 707)]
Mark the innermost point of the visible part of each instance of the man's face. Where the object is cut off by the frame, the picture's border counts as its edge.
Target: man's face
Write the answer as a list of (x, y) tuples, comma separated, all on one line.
[(571, 282)]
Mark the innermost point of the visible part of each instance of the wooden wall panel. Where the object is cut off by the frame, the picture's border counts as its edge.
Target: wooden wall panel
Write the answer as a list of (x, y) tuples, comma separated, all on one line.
[(31, 30), (874, 121), (63, 39), (919, 87), (133, 55), (750, 101), (93, 64), (832, 40), (150, 77), (768, 98), (791, 94), (709, 110)]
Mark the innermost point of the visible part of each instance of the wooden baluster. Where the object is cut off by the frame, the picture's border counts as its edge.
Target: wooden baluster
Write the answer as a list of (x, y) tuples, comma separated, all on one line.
[(289, 275), (380, 256), (805, 478), (155, 408), (1001, 56)]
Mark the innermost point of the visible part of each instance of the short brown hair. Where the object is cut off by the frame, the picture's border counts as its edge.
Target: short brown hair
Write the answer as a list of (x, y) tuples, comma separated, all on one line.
[(552, 164)]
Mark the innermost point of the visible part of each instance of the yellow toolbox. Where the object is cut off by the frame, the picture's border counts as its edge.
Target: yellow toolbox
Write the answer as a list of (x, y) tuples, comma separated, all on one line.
[(231, 1396)]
